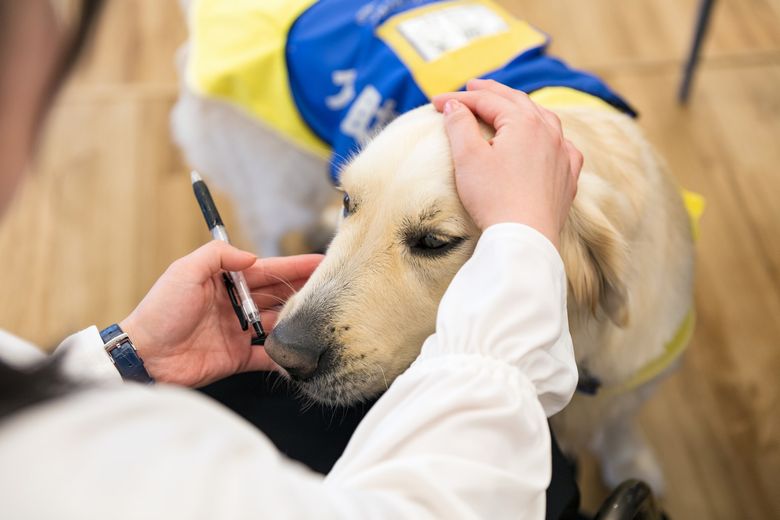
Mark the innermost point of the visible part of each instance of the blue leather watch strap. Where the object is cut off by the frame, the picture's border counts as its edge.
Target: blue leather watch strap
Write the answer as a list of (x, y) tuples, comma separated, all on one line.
[(124, 356), (110, 332)]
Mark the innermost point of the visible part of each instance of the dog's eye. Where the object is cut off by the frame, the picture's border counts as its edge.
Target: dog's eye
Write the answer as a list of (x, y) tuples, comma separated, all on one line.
[(433, 245), (346, 204), (431, 242)]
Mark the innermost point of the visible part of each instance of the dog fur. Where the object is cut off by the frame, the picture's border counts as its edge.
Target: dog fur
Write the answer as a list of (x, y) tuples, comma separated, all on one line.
[(627, 249)]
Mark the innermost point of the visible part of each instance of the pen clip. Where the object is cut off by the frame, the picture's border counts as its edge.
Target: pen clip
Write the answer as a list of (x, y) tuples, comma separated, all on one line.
[(233, 295)]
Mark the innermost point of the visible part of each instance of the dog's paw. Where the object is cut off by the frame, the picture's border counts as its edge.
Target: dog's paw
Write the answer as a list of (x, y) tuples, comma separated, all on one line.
[(640, 464)]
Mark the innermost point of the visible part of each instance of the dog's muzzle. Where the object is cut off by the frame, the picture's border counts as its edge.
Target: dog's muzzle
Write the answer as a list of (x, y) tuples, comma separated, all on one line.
[(296, 345)]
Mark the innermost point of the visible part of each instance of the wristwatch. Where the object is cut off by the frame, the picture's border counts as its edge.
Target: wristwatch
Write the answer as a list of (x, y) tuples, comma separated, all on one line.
[(124, 356)]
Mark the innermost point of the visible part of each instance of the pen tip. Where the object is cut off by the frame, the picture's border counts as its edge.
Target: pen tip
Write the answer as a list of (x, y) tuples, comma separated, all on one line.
[(195, 176), (258, 329)]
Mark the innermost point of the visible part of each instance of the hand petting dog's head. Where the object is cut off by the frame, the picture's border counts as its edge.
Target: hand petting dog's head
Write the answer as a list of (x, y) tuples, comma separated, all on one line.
[(363, 316)]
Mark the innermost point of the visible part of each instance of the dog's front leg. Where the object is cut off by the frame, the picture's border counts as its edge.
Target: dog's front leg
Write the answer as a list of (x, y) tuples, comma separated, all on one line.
[(621, 447)]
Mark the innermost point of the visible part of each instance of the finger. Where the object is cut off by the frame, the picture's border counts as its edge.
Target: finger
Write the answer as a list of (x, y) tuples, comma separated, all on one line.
[(438, 101), (211, 258), (576, 159), (484, 104), (259, 361), (462, 128), (285, 269), (269, 317), (488, 106), (551, 119), (516, 96), (508, 93)]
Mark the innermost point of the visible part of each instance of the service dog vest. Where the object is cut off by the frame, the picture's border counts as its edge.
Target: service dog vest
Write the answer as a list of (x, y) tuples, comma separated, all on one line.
[(329, 74)]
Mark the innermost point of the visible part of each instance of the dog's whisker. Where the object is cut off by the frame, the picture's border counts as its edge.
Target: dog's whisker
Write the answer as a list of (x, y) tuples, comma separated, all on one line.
[(387, 387), (275, 384), (282, 301), (343, 414), (308, 404), (283, 280), (332, 416)]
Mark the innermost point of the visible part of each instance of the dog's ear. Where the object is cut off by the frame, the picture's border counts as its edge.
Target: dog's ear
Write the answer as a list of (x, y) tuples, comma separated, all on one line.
[(595, 253)]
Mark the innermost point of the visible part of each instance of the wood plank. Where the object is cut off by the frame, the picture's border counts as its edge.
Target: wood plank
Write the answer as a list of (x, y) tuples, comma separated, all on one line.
[(724, 408), (135, 43), (605, 33)]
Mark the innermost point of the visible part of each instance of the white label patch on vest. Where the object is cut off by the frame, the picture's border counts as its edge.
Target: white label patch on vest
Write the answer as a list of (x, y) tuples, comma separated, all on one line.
[(367, 115), (446, 30)]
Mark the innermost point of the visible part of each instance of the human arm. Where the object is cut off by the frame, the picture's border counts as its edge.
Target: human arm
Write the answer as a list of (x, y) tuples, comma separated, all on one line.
[(185, 329), (461, 434), (473, 439)]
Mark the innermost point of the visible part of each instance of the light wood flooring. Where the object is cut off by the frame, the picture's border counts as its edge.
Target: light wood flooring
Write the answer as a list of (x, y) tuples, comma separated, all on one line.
[(109, 206)]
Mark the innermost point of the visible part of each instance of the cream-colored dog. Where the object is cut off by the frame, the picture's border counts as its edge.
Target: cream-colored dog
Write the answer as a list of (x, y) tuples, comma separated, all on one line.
[(627, 247)]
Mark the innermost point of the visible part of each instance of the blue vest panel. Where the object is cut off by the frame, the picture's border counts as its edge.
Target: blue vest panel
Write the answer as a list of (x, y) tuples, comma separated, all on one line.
[(348, 83)]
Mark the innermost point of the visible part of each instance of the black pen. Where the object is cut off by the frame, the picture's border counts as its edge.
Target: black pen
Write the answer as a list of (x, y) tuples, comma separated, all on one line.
[(245, 303)]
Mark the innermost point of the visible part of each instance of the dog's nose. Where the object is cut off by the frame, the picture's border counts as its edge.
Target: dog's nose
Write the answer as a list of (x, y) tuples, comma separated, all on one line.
[(295, 348)]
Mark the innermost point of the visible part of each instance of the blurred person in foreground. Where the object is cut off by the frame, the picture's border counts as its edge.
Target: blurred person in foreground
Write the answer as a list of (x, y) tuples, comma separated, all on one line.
[(461, 434)]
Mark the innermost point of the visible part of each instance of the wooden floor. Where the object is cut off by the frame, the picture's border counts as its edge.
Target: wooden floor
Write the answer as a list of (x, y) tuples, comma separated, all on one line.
[(109, 206)]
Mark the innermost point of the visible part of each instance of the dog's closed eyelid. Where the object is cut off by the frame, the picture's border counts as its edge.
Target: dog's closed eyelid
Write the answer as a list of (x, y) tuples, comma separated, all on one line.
[(432, 244)]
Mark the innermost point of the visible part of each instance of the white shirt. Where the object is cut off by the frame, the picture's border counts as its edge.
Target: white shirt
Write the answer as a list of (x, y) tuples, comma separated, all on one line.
[(461, 434)]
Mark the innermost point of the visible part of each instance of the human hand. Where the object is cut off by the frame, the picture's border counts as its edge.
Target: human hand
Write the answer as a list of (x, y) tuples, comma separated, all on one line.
[(185, 329), (527, 173)]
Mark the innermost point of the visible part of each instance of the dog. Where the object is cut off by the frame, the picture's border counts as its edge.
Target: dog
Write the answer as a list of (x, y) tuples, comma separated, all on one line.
[(361, 319), (627, 248)]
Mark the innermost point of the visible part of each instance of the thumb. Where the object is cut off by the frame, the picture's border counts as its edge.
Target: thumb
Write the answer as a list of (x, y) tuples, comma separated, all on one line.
[(216, 256), (462, 128), (259, 361)]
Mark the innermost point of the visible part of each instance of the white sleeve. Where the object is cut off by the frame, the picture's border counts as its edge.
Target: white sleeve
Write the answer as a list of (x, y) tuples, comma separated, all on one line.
[(85, 359), (17, 352), (461, 434)]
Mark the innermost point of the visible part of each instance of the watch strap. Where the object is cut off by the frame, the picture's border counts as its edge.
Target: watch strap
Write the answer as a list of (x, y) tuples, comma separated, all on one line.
[(124, 355)]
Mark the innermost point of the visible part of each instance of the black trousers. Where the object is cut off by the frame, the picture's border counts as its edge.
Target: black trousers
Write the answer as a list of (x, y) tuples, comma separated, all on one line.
[(317, 435)]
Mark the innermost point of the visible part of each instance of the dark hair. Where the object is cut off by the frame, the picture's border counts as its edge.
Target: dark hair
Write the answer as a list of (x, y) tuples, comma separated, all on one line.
[(90, 9), (21, 388)]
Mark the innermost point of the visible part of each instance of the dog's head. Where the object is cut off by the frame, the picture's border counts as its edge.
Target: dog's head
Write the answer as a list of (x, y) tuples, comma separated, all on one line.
[(362, 317)]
